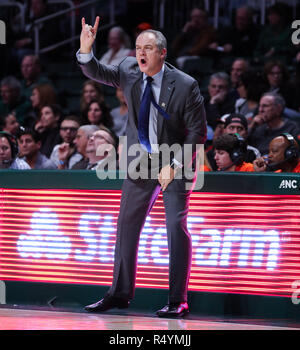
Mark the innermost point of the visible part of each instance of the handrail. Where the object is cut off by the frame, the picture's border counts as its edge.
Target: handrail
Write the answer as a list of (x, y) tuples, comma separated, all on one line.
[(21, 8), (74, 37)]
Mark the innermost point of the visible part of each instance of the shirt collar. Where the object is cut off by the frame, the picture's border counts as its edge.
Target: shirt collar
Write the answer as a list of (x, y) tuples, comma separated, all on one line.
[(157, 78)]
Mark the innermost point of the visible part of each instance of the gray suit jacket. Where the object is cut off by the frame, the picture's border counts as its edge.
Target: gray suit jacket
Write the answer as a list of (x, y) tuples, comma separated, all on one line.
[(180, 97)]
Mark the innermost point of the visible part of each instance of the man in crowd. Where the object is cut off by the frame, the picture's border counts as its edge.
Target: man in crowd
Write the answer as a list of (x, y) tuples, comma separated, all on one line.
[(270, 122), (100, 146), (65, 155), (220, 100), (230, 153), (9, 153), (283, 156), (30, 143), (80, 141), (235, 123), (32, 74)]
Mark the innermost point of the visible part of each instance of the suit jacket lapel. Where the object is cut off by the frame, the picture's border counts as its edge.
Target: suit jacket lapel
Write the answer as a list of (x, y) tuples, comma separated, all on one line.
[(136, 97), (166, 91)]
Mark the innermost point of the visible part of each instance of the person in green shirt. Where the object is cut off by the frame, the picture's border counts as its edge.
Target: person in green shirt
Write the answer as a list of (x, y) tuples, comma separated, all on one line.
[(12, 99), (275, 38)]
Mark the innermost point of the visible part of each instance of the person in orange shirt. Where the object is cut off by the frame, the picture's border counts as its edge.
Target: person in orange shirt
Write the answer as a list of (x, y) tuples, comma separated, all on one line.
[(283, 156), (230, 153)]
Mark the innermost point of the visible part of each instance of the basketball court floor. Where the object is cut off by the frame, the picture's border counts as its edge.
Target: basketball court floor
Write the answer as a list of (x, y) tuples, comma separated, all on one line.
[(56, 319)]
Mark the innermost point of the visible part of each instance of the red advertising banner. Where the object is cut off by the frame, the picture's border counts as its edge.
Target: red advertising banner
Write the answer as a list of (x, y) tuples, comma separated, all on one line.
[(242, 243)]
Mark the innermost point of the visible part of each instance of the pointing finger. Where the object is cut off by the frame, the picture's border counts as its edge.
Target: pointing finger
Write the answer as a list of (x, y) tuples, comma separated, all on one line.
[(83, 22), (96, 24)]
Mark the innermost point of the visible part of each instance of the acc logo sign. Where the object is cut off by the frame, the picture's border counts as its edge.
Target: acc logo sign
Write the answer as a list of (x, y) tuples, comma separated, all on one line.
[(288, 184)]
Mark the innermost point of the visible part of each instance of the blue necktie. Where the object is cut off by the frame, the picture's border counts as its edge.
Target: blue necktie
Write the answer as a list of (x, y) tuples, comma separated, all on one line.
[(144, 115)]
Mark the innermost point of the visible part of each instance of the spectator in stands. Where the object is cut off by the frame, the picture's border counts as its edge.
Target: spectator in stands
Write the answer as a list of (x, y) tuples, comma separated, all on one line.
[(275, 39), (296, 81), (30, 144), (81, 139), (238, 39), (120, 115), (230, 152), (235, 124), (239, 66), (119, 46), (98, 114), (91, 90), (12, 100), (270, 122), (283, 156), (220, 102), (195, 38), (42, 95), (48, 127), (250, 89), (9, 153), (10, 124), (48, 31), (277, 79), (100, 138), (65, 155), (32, 74)]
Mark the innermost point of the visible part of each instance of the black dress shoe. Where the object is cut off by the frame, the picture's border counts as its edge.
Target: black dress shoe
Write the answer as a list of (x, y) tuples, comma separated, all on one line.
[(174, 310), (108, 302)]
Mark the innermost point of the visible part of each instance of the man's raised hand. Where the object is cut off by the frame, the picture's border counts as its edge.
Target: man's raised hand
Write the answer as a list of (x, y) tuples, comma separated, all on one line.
[(88, 35)]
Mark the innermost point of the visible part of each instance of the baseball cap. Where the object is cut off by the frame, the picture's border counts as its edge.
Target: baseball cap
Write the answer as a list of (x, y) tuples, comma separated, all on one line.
[(235, 118)]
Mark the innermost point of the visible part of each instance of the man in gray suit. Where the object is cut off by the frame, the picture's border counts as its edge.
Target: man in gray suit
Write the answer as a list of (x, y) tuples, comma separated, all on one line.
[(175, 116)]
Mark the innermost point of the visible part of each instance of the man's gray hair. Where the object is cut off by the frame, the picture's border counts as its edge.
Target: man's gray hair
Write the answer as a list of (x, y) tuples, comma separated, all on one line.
[(12, 82), (89, 129), (221, 76), (161, 40), (278, 99)]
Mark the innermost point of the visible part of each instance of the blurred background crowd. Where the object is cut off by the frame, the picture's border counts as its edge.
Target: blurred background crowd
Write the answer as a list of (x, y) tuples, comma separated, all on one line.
[(240, 52)]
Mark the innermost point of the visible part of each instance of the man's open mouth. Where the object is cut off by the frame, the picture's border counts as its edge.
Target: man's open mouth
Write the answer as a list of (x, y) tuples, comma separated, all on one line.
[(143, 61)]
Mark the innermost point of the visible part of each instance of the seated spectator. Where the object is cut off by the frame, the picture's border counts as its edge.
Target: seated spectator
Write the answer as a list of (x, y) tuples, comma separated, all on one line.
[(270, 122), (277, 79), (32, 74), (240, 38), (48, 31), (12, 100), (30, 144), (120, 115), (42, 95), (239, 66), (81, 139), (230, 152), (48, 127), (119, 47), (9, 153), (65, 155), (275, 39), (250, 89), (220, 101), (91, 90), (283, 156), (100, 138), (195, 38), (235, 124), (98, 114), (10, 124)]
